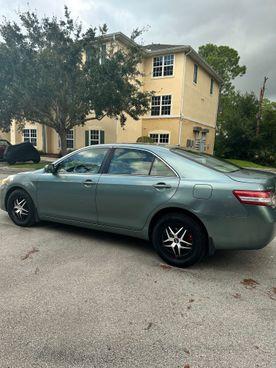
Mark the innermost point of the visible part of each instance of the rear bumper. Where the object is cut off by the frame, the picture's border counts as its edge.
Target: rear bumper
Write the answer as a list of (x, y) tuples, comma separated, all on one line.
[(252, 232)]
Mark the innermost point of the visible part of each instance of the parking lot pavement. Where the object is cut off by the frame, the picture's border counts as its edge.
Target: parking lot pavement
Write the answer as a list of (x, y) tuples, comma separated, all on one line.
[(72, 297)]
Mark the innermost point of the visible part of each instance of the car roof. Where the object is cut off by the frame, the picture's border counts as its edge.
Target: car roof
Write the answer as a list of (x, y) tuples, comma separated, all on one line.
[(152, 147)]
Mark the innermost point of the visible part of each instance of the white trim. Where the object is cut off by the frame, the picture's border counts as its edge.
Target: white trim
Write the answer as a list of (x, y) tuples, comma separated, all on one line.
[(165, 76), (29, 136), (94, 139), (159, 132), (161, 105), (70, 139), (161, 117), (162, 66), (182, 100)]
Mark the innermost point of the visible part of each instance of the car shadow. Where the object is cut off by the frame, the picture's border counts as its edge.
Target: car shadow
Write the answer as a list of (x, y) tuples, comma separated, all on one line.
[(102, 236), (230, 260)]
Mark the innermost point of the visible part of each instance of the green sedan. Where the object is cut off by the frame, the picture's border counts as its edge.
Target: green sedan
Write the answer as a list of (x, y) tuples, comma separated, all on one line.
[(187, 204)]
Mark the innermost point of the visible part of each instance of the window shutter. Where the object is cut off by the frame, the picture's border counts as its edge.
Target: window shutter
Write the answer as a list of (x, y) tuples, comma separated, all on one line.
[(101, 136), (87, 138)]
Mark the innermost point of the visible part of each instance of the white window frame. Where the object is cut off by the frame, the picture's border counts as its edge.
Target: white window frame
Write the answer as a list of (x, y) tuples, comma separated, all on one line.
[(70, 138), (163, 63), (95, 140), (30, 135), (162, 103), (159, 134)]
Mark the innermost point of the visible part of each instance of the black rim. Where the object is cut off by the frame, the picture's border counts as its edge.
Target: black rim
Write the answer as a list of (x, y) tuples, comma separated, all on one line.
[(177, 241)]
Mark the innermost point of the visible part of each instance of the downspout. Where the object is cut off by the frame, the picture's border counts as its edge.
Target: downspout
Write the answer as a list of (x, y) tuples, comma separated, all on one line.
[(182, 98), (44, 139)]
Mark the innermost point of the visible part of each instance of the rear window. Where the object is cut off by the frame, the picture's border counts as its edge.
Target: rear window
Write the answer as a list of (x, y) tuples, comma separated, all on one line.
[(207, 160)]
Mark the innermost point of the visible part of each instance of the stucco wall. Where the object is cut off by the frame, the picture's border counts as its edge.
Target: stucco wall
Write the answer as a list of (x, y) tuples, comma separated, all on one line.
[(106, 124), (16, 135), (160, 126), (198, 104), (5, 135), (170, 85), (187, 133)]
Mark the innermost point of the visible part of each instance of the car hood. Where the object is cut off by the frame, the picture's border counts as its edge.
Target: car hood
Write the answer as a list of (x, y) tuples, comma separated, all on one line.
[(254, 176)]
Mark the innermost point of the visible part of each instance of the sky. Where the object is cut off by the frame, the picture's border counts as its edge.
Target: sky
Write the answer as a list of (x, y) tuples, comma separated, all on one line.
[(249, 26)]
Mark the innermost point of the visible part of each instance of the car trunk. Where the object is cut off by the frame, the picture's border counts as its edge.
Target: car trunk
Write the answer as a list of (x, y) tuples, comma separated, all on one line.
[(266, 179)]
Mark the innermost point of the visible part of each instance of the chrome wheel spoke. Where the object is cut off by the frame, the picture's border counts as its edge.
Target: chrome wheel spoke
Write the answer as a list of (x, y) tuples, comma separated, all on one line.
[(174, 240), (178, 231), (20, 208), (185, 242), (169, 238)]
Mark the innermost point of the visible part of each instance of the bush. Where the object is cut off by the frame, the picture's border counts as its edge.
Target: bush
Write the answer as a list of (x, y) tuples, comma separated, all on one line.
[(145, 139)]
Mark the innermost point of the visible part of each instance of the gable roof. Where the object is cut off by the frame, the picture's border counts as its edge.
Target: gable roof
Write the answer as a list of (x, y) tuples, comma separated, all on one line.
[(157, 48)]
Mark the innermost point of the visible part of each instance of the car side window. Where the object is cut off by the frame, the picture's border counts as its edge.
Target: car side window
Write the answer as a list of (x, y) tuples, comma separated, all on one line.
[(159, 168), (85, 162), (130, 162)]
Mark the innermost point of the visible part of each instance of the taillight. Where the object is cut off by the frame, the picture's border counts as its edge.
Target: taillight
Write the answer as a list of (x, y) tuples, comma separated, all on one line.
[(257, 198)]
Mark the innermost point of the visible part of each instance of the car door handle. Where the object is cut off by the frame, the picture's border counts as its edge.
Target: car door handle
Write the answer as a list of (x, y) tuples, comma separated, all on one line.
[(162, 186), (88, 183)]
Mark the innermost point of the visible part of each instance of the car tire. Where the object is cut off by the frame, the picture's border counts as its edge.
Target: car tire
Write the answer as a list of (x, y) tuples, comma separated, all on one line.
[(11, 162), (21, 208), (36, 161), (179, 240)]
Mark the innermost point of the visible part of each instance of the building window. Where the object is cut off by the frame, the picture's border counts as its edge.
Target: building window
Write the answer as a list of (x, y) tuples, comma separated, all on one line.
[(70, 139), (163, 65), (160, 138), (98, 54), (212, 86), (195, 73), (30, 135), (94, 137), (161, 105)]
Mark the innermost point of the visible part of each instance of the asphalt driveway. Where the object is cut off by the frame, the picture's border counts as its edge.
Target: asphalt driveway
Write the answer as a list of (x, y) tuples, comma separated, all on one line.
[(73, 297)]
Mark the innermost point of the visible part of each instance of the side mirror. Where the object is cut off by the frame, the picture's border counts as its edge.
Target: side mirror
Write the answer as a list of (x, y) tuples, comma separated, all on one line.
[(50, 168)]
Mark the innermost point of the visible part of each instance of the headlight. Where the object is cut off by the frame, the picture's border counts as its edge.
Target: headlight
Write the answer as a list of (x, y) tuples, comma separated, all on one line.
[(6, 180)]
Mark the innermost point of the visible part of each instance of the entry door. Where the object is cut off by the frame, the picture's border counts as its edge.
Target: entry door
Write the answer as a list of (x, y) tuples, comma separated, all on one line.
[(136, 183), (70, 193)]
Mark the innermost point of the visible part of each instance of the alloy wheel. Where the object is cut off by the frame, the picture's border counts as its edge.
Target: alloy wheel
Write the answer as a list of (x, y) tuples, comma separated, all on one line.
[(177, 241), (20, 208)]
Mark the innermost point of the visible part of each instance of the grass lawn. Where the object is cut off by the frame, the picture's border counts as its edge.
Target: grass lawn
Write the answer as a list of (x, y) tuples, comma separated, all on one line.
[(29, 165), (243, 163)]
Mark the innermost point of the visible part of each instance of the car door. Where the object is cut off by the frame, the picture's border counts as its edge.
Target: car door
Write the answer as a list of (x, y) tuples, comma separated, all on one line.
[(136, 182), (69, 194)]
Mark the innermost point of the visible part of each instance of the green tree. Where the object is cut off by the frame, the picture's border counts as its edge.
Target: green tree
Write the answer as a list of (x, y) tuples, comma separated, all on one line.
[(267, 137), (45, 77), (236, 133), (225, 61)]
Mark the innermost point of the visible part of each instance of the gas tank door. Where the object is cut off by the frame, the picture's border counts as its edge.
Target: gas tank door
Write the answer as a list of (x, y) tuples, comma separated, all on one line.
[(202, 191)]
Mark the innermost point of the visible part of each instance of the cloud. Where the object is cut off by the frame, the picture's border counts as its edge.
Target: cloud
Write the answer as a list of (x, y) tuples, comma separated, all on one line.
[(246, 25)]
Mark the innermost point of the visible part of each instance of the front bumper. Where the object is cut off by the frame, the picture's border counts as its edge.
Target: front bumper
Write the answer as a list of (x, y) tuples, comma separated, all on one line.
[(3, 192)]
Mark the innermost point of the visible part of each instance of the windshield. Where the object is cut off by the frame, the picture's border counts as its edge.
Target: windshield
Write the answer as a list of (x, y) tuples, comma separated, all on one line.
[(207, 160)]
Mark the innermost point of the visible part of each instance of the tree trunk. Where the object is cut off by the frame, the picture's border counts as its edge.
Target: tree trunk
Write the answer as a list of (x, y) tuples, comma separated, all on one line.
[(63, 142)]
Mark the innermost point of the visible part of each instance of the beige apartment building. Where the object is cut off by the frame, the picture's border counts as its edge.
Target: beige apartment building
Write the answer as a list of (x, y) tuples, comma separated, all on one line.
[(183, 109)]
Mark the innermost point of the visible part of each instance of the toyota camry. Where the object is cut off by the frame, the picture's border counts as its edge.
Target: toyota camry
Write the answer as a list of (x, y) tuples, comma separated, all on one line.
[(188, 204)]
